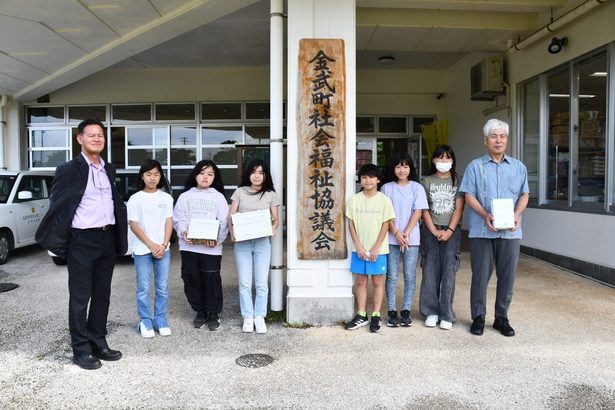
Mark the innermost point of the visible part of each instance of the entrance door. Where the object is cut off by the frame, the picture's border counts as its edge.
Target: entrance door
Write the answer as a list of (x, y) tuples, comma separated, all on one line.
[(379, 151)]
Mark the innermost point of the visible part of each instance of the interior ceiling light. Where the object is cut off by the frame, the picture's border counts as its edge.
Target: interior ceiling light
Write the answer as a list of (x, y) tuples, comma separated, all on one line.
[(386, 60), (557, 44), (568, 95), (598, 74)]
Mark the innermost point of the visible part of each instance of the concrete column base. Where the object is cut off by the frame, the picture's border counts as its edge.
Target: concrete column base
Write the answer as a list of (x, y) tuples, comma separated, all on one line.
[(326, 310)]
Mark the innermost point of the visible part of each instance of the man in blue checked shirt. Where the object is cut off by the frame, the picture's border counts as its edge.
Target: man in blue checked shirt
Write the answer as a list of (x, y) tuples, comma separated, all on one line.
[(494, 176)]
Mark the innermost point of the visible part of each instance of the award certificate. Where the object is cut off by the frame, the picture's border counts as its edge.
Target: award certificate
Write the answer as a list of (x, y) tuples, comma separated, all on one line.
[(203, 229), (503, 211), (252, 225)]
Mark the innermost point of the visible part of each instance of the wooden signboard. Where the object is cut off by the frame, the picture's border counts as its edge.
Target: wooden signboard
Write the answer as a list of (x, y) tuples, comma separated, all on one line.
[(321, 133)]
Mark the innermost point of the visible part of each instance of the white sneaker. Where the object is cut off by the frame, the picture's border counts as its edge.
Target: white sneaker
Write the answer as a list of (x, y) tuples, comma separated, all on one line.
[(145, 332), (248, 324), (431, 321), (259, 323), (446, 325), (165, 331)]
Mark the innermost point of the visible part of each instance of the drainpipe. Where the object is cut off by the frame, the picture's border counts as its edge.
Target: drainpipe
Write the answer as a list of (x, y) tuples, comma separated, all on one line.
[(276, 97), (3, 100), (556, 24)]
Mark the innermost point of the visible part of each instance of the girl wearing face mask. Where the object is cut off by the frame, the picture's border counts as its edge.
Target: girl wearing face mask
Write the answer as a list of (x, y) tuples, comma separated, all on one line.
[(441, 239)]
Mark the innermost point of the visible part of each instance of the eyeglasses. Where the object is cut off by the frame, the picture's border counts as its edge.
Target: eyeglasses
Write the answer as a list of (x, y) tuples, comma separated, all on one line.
[(100, 179)]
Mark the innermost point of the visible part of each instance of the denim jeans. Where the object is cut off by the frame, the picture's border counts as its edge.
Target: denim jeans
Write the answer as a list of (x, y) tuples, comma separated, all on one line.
[(440, 262), (144, 265), (254, 254), (409, 257)]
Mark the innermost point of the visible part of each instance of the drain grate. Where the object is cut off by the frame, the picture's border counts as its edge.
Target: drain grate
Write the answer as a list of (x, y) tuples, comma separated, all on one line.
[(5, 287), (254, 360)]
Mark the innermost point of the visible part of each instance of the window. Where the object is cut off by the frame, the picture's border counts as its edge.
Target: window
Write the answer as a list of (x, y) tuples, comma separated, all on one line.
[(49, 147), (572, 121), (45, 115), (34, 185), (132, 112), (530, 130), (146, 142), (221, 111), (79, 113), (175, 112)]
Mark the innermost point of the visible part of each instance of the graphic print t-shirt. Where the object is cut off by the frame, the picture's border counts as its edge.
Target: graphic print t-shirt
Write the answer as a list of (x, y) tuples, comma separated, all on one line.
[(441, 195)]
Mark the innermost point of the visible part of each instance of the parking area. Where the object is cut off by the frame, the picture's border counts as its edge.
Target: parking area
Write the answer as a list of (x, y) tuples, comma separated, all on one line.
[(562, 357)]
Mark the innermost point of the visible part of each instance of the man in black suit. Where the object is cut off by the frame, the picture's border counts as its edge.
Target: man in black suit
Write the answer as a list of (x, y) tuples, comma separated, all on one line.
[(87, 225)]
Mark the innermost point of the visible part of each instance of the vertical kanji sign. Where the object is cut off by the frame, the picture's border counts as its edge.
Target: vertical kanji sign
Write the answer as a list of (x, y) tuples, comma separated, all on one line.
[(321, 136)]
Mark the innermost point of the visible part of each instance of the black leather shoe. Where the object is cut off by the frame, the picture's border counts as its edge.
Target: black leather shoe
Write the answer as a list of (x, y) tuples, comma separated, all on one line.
[(108, 354), (478, 325), (503, 326), (86, 361)]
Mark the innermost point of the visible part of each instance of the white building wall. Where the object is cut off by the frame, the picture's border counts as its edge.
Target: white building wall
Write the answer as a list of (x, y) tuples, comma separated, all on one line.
[(583, 236)]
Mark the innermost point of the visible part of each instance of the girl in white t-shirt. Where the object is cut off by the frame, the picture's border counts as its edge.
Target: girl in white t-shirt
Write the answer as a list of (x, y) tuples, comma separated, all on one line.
[(150, 216), (255, 192)]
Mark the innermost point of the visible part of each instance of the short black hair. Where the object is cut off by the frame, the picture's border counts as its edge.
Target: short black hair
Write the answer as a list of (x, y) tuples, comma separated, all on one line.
[(370, 170), (87, 122)]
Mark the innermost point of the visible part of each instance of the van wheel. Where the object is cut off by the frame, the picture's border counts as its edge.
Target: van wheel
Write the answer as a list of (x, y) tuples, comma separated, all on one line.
[(5, 244), (58, 261)]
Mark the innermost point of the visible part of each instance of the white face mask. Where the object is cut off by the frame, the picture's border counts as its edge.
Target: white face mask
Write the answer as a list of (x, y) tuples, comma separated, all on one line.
[(444, 166)]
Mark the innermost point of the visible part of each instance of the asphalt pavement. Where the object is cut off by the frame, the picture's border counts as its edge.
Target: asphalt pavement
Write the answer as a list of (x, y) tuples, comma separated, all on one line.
[(563, 356)]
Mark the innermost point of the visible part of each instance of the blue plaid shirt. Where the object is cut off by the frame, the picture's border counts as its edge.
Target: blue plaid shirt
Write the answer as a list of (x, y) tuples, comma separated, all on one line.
[(485, 180)]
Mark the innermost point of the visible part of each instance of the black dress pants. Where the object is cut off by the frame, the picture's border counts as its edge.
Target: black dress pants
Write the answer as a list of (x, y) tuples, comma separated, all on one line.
[(90, 260), (202, 281)]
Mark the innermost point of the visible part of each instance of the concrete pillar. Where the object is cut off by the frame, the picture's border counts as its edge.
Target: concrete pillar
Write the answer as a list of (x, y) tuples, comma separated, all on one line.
[(319, 291)]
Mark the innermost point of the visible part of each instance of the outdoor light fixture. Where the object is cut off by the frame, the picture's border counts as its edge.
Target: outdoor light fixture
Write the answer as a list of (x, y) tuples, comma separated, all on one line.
[(557, 44), (386, 60)]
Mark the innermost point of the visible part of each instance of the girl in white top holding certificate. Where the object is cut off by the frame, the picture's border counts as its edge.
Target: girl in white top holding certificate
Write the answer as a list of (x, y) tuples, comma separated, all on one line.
[(252, 256)]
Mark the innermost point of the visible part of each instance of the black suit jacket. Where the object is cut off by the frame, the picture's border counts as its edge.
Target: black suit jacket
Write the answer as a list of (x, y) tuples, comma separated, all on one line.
[(68, 187)]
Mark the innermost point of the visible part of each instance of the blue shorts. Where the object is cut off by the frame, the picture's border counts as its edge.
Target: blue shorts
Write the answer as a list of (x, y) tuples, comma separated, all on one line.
[(361, 267)]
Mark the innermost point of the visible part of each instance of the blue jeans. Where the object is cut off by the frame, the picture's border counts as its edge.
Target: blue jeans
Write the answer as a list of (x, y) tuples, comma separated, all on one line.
[(440, 262), (254, 254), (144, 264), (409, 257)]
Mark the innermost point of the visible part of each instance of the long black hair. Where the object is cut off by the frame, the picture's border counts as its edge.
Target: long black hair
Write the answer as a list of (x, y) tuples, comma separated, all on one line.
[(402, 158), (250, 169), (147, 166), (446, 150), (218, 185)]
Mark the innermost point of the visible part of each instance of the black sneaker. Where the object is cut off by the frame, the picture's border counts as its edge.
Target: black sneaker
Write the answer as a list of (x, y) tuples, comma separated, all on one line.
[(374, 325), (213, 321), (405, 318), (393, 319), (199, 320), (357, 322)]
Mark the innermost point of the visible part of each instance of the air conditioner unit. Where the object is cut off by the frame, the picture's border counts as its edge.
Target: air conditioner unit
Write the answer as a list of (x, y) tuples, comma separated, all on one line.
[(487, 79)]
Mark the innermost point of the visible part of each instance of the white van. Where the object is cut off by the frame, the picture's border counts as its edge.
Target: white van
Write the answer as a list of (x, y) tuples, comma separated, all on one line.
[(24, 200)]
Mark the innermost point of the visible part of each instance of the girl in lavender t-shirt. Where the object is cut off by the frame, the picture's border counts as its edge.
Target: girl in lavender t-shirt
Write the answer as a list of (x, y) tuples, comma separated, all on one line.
[(409, 200)]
